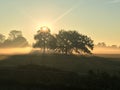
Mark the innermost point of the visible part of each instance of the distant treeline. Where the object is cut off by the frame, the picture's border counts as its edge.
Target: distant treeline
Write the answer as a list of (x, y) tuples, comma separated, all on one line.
[(65, 42), (15, 39), (104, 45)]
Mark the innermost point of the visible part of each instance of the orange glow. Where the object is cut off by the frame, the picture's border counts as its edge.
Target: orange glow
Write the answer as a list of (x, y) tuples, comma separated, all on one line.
[(98, 50), (44, 25), (15, 51), (45, 29)]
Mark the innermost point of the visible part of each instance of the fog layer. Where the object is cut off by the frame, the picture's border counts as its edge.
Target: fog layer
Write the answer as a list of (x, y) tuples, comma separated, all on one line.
[(14, 51), (103, 50)]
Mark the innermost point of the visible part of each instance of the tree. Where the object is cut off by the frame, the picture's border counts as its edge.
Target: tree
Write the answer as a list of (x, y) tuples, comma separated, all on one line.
[(114, 46), (63, 42), (15, 39), (20, 42), (101, 44), (44, 39), (14, 34), (2, 38), (72, 41)]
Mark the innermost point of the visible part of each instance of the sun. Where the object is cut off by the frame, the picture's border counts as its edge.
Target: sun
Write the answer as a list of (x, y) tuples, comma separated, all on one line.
[(45, 29), (44, 26)]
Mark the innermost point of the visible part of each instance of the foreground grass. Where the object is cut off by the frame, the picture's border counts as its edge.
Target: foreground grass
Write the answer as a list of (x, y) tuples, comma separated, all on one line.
[(79, 64), (34, 77), (59, 72)]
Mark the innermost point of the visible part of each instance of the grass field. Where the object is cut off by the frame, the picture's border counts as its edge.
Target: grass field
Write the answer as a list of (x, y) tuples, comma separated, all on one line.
[(80, 64), (108, 55), (56, 72)]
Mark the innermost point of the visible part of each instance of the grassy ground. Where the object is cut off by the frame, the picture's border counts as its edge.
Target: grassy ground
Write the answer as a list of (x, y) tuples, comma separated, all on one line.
[(109, 55), (58, 72), (78, 64)]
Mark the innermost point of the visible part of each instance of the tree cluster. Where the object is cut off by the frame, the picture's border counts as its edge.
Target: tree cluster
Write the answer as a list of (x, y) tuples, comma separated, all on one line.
[(65, 42), (15, 39), (104, 45)]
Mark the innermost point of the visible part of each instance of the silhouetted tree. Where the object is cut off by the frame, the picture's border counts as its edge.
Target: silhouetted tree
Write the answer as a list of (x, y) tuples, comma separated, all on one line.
[(14, 34), (52, 43), (2, 38), (15, 39), (44, 39), (63, 42), (20, 42), (72, 41), (114, 46), (101, 44)]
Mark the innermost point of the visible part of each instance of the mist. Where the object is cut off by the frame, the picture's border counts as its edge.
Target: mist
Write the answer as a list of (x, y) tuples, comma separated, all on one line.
[(28, 50), (105, 50), (15, 51)]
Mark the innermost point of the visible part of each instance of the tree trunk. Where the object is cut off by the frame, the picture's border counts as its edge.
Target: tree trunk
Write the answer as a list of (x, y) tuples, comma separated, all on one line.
[(66, 52), (44, 48)]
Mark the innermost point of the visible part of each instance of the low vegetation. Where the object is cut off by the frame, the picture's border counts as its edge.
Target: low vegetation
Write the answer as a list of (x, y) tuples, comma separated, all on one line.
[(47, 72)]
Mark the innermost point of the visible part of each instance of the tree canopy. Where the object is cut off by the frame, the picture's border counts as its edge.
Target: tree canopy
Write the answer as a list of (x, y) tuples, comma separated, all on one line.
[(2, 38), (72, 41), (15, 39), (65, 42), (44, 40)]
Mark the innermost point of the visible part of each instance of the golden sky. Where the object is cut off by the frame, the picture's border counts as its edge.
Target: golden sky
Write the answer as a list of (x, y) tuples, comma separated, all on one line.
[(99, 19)]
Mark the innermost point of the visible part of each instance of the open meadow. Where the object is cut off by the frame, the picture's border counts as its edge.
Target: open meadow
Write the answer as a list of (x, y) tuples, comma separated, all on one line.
[(79, 64), (47, 72)]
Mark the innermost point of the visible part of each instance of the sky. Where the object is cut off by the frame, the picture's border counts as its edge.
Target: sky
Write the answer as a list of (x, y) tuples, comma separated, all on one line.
[(99, 19)]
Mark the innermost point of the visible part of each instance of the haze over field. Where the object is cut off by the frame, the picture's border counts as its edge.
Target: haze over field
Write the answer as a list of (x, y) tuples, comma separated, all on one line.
[(28, 50), (106, 50), (15, 51)]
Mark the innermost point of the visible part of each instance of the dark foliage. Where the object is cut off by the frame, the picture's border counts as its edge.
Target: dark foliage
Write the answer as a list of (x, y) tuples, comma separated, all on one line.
[(72, 41), (44, 40), (14, 40), (2, 38), (65, 42)]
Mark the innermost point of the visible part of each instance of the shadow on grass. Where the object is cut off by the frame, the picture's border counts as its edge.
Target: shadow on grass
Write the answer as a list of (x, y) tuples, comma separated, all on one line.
[(44, 78), (55, 72)]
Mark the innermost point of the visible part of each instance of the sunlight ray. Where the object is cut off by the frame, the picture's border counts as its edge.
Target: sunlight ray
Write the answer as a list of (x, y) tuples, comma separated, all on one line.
[(64, 14)]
